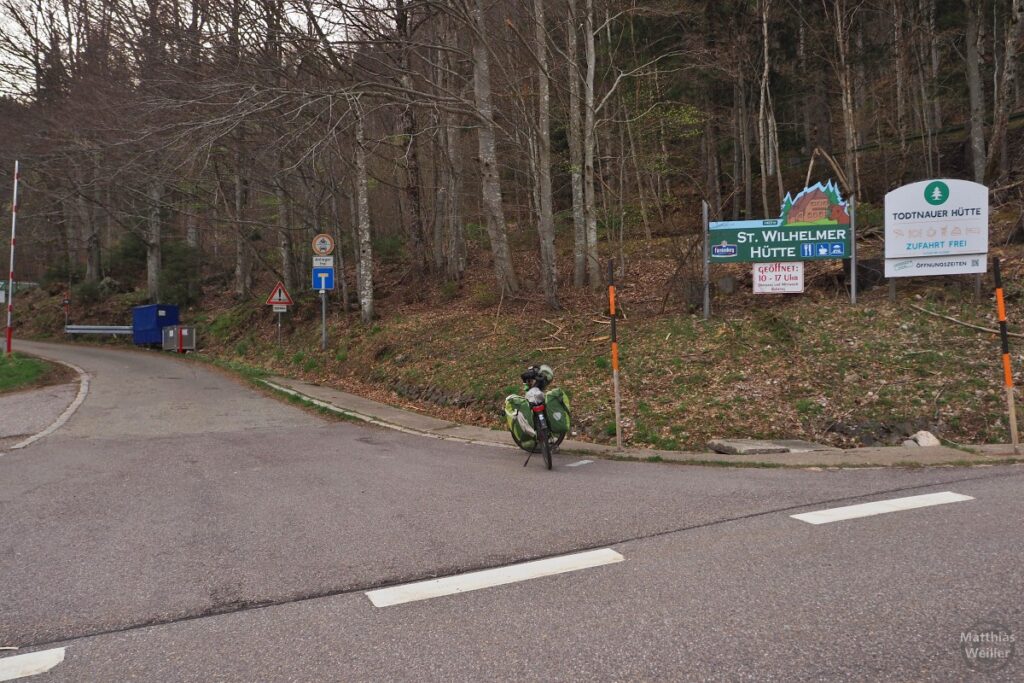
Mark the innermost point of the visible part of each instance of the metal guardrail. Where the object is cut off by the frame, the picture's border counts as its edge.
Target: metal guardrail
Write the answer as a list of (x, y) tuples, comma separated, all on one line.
[(97, 329)]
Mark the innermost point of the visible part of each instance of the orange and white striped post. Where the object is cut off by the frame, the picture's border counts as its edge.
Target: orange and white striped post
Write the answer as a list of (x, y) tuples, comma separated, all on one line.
[(615, 353), (1007, 367)]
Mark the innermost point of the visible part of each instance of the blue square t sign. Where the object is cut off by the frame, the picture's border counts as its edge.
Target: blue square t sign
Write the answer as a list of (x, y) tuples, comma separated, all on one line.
[(323, 278)]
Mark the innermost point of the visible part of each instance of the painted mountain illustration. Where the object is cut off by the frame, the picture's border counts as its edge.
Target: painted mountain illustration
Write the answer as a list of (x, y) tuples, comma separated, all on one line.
[(819, 204)]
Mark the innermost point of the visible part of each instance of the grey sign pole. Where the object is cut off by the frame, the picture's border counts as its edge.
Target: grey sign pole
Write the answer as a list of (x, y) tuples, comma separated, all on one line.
[(853, 250), (279, 330), (707, 261), (323, 315)]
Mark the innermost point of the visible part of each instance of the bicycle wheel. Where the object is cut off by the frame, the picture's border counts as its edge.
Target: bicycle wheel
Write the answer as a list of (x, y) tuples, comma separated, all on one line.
[(556, 440), (545, 449), (520, 444)]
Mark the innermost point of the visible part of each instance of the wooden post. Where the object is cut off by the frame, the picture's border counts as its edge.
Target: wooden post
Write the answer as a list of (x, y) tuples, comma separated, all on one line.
[(615, 353), (1007, 367)]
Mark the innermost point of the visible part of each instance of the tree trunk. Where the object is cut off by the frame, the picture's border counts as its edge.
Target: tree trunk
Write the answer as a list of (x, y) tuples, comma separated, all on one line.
[(975, 91), (92, 240), (243, 268), (454, 232), (898, 49), (365, 266), (842, 24), (283, 236), (153, 236), (639, 181), (452, 243), (579, 224), (545, 216), (745, 153), (805, 102), (589, 209), (336, 217), (1001, 112), (490, 179), (935, 63), (407, 123), (763, 147)]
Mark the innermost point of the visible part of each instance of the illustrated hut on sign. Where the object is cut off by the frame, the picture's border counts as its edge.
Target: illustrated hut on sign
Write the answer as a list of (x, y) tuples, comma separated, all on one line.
[(810, 208), (820, 204)]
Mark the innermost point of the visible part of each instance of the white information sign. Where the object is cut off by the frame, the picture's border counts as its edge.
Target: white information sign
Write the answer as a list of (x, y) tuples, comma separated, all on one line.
[(924, 266), (779, 278), (936, 218), (280, 308), (323, 261)]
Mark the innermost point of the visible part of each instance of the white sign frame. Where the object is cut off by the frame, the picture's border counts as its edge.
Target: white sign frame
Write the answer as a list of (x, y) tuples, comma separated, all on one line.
[(927, 266), (323, 261), (919, 223), (786, 277)]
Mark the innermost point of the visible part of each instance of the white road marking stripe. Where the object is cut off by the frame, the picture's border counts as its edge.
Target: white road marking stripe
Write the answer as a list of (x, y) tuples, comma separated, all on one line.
[(880, 507), (488, 578), (20, 666), (581, 462)]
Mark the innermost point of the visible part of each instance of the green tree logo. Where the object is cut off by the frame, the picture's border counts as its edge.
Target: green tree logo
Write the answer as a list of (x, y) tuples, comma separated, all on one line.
[(936, 193)]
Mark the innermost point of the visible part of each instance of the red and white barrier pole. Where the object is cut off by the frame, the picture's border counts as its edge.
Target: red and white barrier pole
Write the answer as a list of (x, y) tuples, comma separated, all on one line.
[(10, 277)]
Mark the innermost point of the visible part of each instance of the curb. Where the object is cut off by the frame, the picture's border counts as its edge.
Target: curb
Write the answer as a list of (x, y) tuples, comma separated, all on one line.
[(83, 391), (374, 421), (585, 450)]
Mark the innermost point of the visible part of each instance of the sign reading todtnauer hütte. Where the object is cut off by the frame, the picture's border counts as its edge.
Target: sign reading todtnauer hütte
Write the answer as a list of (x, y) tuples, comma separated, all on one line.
[(936, 227), (815, 225)]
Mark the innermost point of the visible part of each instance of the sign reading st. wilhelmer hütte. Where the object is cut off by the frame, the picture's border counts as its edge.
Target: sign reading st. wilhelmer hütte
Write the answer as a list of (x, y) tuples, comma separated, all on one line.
[(814, 226)]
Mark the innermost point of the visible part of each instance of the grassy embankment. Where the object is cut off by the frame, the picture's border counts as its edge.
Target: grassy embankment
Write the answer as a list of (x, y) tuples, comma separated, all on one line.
[(809, 366), (18, 371)]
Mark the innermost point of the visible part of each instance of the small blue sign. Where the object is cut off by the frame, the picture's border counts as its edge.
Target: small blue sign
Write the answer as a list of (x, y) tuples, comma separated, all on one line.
[(323, 278), (723, 250), (807, 249), (837, 249)]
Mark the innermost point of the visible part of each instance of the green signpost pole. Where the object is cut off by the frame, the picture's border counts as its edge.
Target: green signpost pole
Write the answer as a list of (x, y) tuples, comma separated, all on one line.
[(707, 261), (853, 250)]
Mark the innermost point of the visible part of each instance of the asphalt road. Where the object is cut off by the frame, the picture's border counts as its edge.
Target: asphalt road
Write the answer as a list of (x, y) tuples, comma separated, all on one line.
[(183, 527)]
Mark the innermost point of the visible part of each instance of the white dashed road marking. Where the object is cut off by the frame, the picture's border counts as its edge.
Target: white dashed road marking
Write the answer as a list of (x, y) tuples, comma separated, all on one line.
[(880, 507), (581, 462), (488, 578), (20, 666)]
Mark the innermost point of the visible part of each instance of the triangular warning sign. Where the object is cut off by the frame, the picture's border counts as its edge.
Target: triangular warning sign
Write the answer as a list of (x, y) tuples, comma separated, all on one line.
[(279, 296)]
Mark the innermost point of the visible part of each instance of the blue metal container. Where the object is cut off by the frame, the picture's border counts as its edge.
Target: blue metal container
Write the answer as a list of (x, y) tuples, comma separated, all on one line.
[(148, 322)]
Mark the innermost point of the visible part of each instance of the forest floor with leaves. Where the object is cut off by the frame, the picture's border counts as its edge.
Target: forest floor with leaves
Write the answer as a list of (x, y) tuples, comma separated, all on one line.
[(808, 366)]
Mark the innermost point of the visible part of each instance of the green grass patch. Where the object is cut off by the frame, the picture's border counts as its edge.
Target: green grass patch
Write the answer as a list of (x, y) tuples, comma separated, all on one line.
[(18, 371)]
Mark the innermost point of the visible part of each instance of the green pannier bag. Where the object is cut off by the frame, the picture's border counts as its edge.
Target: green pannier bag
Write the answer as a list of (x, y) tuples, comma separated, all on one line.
[(519, 419), (557, 403)]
